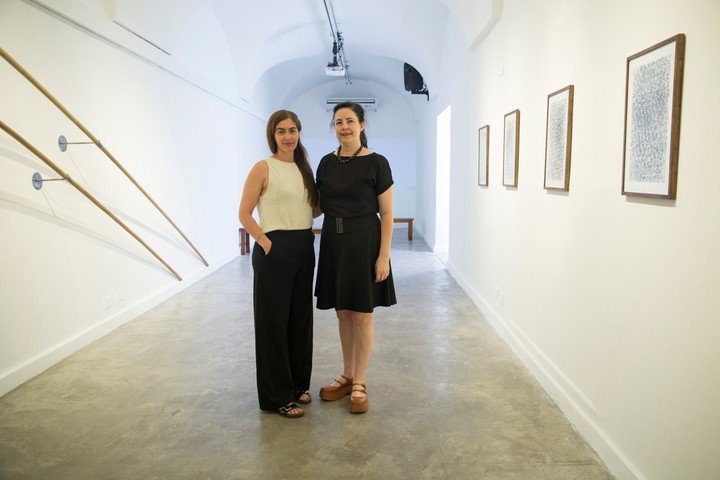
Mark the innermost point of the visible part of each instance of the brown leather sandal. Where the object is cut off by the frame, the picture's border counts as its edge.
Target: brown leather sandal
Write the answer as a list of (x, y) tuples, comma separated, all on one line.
[(331, 393), (359, 405)]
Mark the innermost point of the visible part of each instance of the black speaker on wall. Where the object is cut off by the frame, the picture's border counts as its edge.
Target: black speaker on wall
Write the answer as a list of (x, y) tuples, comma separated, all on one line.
[(414, 82), (413, 79)]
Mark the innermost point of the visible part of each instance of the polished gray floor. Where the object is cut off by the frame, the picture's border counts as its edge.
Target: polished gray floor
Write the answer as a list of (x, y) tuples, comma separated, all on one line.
[(171, 395)]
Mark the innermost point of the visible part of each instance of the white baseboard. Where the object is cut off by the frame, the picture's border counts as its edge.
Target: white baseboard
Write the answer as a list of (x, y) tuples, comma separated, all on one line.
[(574, 404), (442, 254), (26, 370)]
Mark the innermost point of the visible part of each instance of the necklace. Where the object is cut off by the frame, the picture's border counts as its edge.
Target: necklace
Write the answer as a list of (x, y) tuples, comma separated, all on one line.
[(347, 159)]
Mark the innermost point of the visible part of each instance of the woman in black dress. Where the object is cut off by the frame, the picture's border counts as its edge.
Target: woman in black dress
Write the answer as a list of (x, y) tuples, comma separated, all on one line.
[(354, 274)]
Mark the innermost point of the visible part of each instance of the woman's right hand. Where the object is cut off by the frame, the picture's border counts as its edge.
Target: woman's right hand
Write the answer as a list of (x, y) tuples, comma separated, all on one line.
[(265, 243)]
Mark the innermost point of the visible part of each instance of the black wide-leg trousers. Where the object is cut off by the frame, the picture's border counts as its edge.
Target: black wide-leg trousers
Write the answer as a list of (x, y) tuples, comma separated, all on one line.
[(282, 300)]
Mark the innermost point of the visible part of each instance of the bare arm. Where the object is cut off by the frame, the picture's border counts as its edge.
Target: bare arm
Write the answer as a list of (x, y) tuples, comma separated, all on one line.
[(255, 186), (382, 265)]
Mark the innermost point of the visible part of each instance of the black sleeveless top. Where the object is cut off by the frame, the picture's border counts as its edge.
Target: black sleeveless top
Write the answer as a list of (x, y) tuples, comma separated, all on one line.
[(351, 189)]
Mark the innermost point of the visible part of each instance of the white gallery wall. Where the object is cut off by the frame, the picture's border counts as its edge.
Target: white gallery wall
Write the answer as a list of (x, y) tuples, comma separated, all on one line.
[(613, 302), (69, 274)]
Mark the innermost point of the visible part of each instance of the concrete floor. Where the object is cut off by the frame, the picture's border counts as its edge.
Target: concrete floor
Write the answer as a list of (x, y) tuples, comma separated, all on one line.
[(171, 395)]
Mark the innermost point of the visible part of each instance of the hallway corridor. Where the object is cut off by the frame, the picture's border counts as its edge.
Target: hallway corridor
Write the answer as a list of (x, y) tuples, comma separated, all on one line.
[(171, 395)]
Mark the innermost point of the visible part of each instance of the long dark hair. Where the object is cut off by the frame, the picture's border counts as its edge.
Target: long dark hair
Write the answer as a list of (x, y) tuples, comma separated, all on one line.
[(359, 111), (300, 155)]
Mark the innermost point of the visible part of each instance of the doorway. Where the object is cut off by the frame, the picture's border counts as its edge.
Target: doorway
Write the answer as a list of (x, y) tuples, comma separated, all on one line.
[(442, 185)]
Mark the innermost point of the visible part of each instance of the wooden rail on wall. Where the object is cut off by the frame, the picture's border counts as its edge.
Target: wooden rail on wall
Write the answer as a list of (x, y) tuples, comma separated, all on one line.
[(94, 140), (89, 196)]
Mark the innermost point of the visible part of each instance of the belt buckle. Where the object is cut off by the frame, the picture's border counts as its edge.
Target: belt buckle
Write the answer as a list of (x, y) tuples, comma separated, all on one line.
[(338, 225)]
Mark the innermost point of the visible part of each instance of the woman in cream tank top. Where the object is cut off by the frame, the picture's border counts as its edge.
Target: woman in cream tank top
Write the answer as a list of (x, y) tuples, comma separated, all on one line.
[(282, 189)]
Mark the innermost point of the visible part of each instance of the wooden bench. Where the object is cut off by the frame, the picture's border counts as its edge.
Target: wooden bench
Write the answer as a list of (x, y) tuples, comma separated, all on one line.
[(244, 241), (408, 220)]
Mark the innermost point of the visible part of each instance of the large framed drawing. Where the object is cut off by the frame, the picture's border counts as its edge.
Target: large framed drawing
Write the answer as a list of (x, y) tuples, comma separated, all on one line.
[(653, 94), (511, 144), (483, 155), (558, 139)]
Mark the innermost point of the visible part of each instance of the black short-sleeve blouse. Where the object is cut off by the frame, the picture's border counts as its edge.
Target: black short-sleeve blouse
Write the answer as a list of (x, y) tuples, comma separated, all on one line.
[(351, 189)]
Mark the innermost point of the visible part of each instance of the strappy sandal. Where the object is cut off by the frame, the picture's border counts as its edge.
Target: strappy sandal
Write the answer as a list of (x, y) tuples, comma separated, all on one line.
[(287, 411), (360, 405), (330, 393), (297, 396)]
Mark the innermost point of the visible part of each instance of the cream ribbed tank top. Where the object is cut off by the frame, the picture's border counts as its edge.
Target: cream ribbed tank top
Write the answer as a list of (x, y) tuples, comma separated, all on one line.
[(284, 205)]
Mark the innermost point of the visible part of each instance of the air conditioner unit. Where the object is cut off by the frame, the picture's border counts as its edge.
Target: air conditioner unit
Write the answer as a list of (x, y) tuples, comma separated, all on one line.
[(366, 102)]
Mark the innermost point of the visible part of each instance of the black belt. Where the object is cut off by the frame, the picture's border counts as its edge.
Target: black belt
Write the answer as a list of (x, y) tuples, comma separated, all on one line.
[(346, 225)]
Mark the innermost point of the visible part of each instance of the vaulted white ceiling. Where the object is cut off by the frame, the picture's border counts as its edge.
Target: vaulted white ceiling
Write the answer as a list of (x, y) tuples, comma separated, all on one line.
[(291, 39)]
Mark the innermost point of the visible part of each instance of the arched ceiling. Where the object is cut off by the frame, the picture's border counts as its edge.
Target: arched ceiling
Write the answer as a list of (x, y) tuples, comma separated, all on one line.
[(263, 35), (290, 40), (292, 78)]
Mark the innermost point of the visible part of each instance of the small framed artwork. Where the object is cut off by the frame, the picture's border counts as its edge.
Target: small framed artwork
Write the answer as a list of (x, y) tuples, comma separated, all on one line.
[(653, 95), (558, 139), (483, 155), (511, 144)]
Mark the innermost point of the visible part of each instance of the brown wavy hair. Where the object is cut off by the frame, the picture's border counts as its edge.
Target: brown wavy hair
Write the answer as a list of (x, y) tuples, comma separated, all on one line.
[(300, 156)]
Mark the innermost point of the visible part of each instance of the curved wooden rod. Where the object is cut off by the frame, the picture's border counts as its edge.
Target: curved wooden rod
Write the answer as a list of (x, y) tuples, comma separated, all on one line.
[(92, 137), (87, 194)]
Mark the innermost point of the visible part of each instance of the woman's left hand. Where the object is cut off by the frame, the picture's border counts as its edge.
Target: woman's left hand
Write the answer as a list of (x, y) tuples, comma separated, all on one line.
[(382, 269)]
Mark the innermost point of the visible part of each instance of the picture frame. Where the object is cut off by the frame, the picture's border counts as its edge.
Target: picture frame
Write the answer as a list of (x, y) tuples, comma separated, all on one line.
[(653, 97), (483, 155), (558, 139), (511, 147)]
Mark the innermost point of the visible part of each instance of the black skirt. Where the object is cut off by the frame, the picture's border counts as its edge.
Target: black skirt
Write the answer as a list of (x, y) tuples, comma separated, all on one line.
[(346, 266)]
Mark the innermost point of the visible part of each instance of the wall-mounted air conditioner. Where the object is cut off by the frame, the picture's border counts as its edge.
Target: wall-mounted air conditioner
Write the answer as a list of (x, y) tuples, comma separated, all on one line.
[(366, 102)]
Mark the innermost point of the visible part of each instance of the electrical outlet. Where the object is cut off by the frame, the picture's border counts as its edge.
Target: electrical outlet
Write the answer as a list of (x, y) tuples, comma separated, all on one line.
[(119, 296), (107, 302), (497, 293), (502, 298)]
